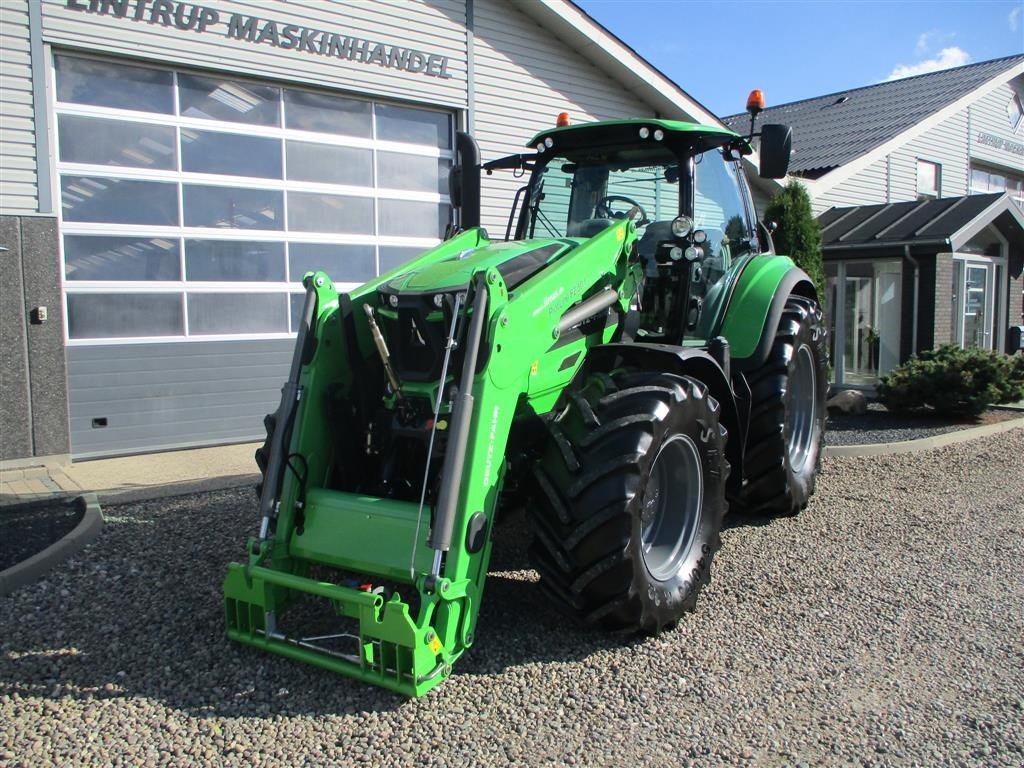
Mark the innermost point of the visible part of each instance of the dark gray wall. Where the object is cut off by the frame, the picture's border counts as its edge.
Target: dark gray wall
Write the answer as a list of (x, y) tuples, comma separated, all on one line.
[(15, 419), (33, 378), (133, 398)]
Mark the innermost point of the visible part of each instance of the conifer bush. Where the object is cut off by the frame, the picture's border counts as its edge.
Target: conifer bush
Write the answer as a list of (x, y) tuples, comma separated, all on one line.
[(797, 233), (953, 381)]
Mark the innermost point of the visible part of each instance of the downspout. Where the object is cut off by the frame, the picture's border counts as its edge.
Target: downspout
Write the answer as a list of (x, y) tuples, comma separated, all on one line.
[(917, 291)]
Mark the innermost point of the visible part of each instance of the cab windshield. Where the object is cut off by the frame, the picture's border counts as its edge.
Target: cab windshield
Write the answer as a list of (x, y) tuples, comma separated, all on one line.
[(579, 197)]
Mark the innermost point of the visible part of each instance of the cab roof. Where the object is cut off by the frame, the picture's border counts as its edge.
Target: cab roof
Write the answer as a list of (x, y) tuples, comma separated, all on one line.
[(695, 136)]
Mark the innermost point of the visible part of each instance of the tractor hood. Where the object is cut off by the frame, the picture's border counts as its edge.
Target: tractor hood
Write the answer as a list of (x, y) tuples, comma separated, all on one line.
[(516, 261)]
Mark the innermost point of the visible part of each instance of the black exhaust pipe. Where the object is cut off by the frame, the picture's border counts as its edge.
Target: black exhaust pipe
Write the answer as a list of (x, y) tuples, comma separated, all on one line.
[(464, 183)]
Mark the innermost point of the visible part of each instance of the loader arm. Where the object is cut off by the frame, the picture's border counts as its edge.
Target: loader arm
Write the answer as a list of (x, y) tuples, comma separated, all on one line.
[(410, 593)]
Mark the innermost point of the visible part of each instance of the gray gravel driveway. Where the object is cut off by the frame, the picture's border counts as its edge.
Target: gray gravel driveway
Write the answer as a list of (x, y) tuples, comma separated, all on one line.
[(883, 626)]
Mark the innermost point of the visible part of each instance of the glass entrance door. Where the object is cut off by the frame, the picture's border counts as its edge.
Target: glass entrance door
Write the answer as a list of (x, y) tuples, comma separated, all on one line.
[(975, 317), (871, 300)]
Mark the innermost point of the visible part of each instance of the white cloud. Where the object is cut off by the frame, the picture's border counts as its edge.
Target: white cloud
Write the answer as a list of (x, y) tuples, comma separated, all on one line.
[(1014, 19), (947, 59), (932, 40)]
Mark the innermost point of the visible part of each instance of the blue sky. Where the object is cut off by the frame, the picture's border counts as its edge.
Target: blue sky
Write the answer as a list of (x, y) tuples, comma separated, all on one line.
[(718, 50)]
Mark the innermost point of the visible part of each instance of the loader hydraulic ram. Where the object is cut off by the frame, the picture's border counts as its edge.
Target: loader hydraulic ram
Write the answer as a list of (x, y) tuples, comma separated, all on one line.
[(630, 356)]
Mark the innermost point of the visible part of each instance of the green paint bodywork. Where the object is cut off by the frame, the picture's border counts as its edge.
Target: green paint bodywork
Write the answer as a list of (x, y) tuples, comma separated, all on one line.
[(745, 316), (408, 642)]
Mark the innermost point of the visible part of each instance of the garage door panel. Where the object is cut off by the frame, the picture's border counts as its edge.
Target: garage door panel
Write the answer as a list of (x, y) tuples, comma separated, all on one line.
[(140, 401), (164, 401), (142, 442), (101, 388)]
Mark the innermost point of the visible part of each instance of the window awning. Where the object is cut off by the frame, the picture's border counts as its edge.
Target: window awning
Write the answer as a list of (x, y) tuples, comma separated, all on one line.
[(946, 224)]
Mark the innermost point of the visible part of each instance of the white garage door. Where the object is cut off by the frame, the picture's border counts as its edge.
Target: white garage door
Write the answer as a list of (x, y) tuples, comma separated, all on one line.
[(191, 206)]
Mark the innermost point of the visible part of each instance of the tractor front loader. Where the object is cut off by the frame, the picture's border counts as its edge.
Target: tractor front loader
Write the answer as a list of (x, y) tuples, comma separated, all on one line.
[(630, 356)]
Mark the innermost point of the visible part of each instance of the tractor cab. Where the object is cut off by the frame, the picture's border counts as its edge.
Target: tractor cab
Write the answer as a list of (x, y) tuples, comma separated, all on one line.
[(682, 187)]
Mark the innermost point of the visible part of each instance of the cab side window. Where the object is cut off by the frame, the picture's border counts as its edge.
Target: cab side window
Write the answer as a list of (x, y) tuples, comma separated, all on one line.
[(719, 211)]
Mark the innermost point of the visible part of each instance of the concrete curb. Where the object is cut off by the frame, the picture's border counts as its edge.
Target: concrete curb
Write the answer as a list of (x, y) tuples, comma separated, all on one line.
[(85, 532), (925, 443), (152, 492)]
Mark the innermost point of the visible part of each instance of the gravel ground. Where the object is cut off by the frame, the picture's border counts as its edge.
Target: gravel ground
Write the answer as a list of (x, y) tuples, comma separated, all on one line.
[(880, 426), (882, 626)]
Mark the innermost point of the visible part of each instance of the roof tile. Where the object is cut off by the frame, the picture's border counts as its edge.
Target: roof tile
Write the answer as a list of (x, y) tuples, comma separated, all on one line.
[(832, 130)]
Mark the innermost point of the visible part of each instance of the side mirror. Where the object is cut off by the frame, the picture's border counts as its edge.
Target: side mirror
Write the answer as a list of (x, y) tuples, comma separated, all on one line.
[(775, 149)]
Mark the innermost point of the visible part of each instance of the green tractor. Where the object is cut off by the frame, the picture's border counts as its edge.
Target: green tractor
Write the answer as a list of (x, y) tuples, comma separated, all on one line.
[(626, 363)]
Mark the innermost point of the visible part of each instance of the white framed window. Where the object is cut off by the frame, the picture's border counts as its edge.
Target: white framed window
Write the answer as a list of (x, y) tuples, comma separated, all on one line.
[(1015, 112), (985, 180), (192, 204), (929, 180)]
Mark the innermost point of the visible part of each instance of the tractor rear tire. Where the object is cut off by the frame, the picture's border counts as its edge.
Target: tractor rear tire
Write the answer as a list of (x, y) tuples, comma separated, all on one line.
[(787, 414), (630, 499)]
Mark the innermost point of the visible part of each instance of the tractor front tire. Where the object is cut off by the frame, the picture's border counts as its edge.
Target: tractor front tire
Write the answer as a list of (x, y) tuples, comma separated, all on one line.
[(630, 500), (787, 414)]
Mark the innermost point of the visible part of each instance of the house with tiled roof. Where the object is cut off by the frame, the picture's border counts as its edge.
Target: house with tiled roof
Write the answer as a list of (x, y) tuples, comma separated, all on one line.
[(918, 185)]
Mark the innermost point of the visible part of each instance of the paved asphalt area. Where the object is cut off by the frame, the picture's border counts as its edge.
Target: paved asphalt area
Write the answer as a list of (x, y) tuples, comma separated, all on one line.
[(882, 626)]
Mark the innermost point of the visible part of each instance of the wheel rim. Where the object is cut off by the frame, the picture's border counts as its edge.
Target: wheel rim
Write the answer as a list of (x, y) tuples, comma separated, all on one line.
[(802, 410), (672, 503)]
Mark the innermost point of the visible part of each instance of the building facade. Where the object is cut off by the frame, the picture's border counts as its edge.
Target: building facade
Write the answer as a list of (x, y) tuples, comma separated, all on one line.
[(169, 170), (919, 185)]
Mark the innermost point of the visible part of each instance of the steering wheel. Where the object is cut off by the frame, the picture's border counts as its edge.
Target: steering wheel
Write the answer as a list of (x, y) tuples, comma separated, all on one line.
[(603, 210)]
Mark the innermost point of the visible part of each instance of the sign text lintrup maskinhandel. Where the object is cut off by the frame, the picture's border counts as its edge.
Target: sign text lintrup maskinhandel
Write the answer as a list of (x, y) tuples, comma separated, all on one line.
[(238, 26)]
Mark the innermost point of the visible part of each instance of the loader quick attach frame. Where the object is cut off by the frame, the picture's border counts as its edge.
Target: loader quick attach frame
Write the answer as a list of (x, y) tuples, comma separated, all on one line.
[(437, 555)]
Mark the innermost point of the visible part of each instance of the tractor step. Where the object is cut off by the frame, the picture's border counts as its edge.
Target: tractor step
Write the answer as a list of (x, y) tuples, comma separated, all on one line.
[(364, 535)]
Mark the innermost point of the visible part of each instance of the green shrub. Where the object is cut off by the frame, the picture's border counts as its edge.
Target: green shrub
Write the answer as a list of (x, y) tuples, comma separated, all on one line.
[(798, 234), (954, 381)]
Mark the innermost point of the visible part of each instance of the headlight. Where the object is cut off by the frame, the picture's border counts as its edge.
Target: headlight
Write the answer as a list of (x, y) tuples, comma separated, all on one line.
[(549, 142), (645, 132), (438, 300), (700, 236), (658, 134), (393, 299), (682, 226)]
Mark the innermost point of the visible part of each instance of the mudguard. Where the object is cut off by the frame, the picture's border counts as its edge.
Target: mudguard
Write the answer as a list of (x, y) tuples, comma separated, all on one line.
[(756, 305)]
